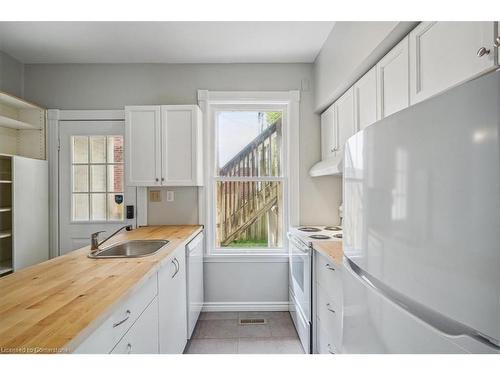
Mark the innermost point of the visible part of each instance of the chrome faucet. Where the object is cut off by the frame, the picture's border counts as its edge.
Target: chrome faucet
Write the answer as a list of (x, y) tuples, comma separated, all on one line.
[(94, 243)]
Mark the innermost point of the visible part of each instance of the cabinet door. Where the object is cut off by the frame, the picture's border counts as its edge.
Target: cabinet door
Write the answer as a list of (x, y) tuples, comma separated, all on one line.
[(365, 100), (328, 136), (172, 304), (142, 145), (344, 116), (181, 145), (444, 54), (392, 81), (142, 337)]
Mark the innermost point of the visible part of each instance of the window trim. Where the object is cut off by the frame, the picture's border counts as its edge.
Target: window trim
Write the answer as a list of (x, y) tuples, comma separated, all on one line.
[(288, 103)]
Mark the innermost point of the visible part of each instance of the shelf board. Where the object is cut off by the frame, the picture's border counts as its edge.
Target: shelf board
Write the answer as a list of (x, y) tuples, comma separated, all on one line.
[(8, 122), (5, 233), (5, 209), (15, 102), (5, 266)]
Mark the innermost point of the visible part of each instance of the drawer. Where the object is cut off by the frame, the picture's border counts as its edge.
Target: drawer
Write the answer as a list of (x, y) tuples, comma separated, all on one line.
[(324, 342), (329, 314), (142, 337), (328, 276), (107, 335)]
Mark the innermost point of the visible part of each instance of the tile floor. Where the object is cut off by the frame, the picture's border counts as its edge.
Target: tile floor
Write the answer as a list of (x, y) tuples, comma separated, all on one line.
[(221, 333)]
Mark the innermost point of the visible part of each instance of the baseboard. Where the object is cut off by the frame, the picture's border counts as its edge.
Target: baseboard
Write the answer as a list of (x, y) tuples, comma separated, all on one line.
[(246, 306)]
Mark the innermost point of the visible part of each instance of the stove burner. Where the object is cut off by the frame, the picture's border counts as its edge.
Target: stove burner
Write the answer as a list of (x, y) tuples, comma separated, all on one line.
[(338, 235), (320, 237), (309, 229), (333, 228)]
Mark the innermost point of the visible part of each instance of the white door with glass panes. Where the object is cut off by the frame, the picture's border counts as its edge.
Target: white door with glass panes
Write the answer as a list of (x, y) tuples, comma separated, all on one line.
[(92, 193)]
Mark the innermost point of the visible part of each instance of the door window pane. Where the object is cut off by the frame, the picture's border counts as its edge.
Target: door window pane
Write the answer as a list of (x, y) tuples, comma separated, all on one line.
[(80, 207), (80, 149), (80, 178), (115, 149), (249, 214), (115, 178), (115, 207), (98, 178), (98, 206), (249, 143), (97, 149), (98, 166)]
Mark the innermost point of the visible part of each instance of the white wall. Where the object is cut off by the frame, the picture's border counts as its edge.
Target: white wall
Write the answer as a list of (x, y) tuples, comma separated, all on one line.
[(111, 86), (350, 50)]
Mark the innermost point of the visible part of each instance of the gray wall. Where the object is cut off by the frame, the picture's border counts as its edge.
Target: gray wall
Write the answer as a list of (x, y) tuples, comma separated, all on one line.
[(11, 75), (350, 50), (111, 86)]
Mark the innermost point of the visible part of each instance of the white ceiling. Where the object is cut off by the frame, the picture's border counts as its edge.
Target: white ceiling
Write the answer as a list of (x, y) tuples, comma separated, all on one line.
[(163, 42)]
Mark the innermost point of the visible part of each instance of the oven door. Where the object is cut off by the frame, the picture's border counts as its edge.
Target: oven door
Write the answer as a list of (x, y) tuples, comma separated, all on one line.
[(301, 274)]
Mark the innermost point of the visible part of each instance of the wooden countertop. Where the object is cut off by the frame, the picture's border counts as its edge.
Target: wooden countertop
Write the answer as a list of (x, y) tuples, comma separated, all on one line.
[(331, 249), (53, 306)]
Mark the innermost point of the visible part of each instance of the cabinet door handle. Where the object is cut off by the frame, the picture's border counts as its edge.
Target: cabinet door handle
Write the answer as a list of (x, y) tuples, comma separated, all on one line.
[(482, 51), (497, 41), (123, 320), (176, 264), (330, 349), (163, 179), (157, 179), (329, 308), (129, 348), (328, 266)]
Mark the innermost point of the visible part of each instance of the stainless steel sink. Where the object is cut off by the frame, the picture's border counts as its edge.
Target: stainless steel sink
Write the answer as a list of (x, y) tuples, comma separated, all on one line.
[(130, 249)]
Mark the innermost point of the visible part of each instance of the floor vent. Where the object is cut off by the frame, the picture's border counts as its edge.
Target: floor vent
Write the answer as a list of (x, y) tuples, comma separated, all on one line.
[(252, 321)]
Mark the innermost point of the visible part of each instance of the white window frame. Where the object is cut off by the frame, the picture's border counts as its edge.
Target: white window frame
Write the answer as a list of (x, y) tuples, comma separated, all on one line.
[(284, 101)]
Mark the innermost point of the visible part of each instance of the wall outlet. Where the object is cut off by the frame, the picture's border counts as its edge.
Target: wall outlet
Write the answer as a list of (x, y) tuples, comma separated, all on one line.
[(170, 196), (155, 195)]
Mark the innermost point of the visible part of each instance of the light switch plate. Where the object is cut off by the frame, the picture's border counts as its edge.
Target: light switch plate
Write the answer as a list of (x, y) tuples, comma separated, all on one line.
[(155, 195), (170, 196)]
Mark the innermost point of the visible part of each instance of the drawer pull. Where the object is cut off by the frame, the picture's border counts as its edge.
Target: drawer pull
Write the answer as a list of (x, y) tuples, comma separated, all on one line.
[(123, 320), (329, 308), (329, 267), (330, 349), (129, 348)]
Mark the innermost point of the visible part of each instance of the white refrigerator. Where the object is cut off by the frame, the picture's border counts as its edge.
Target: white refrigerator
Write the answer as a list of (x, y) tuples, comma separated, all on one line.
[(422, 227)]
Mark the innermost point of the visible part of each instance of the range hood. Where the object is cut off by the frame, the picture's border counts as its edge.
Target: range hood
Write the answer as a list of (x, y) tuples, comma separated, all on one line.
[(330, 166)]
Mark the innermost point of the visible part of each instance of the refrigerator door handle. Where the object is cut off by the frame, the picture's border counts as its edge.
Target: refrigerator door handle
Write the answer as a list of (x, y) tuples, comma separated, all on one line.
[(433, 318)]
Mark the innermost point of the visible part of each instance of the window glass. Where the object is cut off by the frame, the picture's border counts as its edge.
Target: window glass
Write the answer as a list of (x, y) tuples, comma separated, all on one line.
[(97, 172)]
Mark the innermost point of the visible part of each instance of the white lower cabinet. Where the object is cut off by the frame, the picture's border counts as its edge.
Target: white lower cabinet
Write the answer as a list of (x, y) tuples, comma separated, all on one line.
[(173, 304), (153, 319), (142, 337), (328, 306)]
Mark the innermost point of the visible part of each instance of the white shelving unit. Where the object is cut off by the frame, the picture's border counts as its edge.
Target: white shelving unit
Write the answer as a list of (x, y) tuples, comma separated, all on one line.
[(23, 212), (22, 127)]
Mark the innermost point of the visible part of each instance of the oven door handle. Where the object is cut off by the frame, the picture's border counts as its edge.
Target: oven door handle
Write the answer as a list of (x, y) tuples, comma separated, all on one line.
[(302, 247)]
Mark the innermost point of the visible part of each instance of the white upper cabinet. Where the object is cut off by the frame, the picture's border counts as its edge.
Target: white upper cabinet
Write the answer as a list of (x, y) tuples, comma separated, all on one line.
[(163, 145), (344, 119), (392, 81), (444, 54), (181, 145), (142, 145), (328, 133), (365, 100)]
